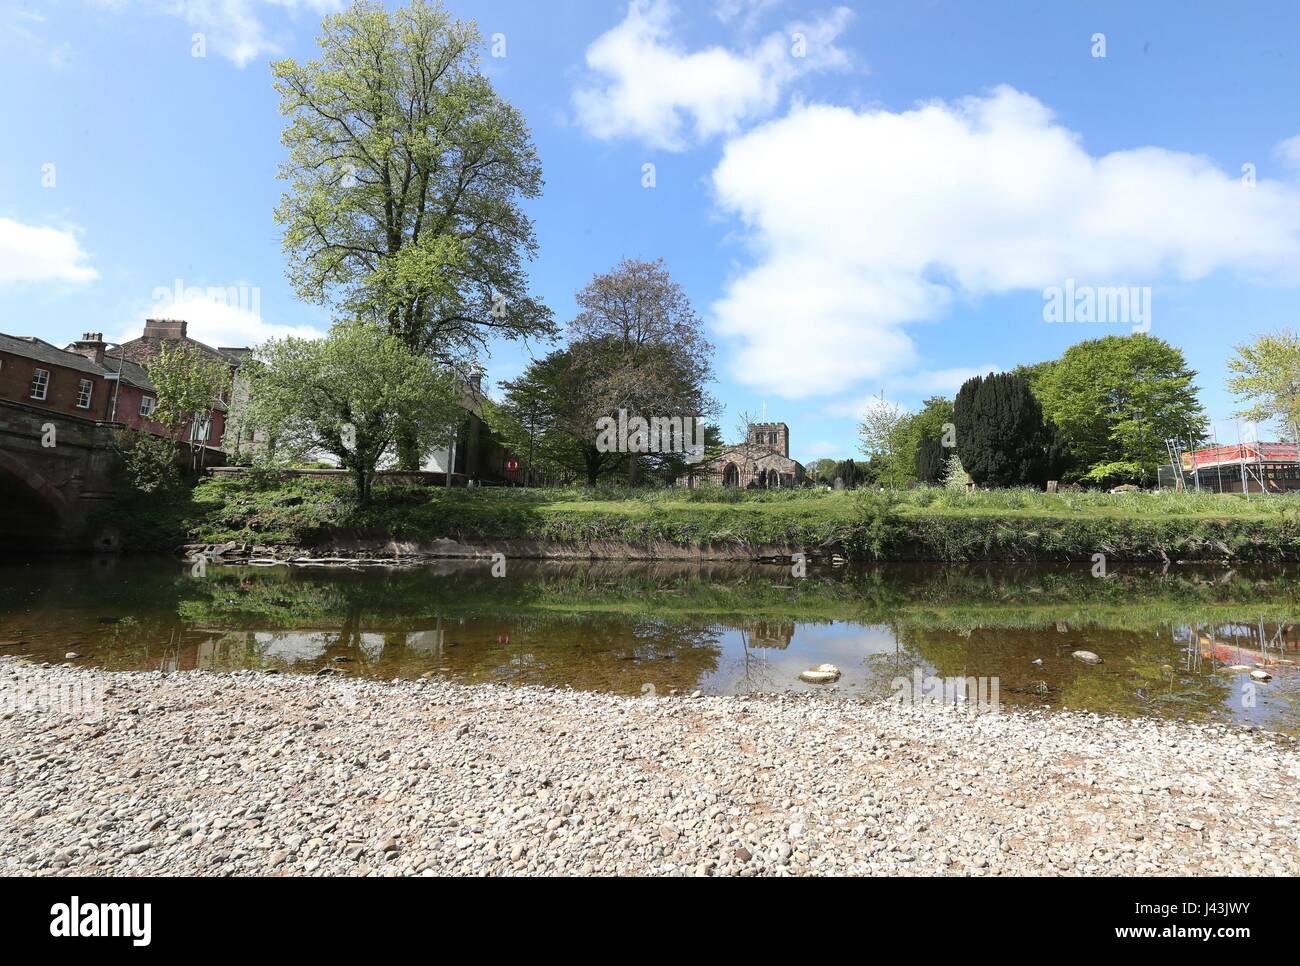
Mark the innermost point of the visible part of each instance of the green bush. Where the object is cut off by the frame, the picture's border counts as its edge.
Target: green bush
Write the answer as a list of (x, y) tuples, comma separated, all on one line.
[(878, 529), (147, 463)]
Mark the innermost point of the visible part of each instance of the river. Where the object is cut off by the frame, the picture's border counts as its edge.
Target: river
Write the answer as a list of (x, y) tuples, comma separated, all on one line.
[(1174, 643)]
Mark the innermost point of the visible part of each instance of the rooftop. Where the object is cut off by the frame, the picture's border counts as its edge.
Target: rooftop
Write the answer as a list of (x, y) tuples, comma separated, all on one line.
[(31, 347)]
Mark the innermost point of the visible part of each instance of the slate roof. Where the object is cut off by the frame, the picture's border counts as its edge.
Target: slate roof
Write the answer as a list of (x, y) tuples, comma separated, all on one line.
[(31, 347), (754, 454), (132, 372), (230, 356)]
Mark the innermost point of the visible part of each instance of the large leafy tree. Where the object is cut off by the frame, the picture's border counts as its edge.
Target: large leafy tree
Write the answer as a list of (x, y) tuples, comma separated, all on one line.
[(931, 460), (675, 466), (1002, 437), (640, 342), (407, 174), (821, 471), (1266, 379), (1116, 401), (855, 473), (878, 433), (550, 416), (925, 428), (189, 384), (524, 420), (352, 395)]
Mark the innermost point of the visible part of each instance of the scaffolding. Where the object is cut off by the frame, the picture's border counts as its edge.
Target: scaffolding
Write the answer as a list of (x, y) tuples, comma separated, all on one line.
[(1246, 468), (1174, 448)]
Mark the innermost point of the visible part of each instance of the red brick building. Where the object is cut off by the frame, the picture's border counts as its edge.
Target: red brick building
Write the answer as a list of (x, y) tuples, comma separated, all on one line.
[(106, 383), (43, 376), (132, 355)]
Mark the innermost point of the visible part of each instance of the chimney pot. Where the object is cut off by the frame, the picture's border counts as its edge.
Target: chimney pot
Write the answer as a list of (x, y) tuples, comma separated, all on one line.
[(91, 346)]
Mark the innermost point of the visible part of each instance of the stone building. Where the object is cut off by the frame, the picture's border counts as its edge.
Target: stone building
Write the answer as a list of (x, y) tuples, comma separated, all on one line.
[(770, 634), (478, 455), (41, 376), (90, 379), (762, 461), (175, 332)]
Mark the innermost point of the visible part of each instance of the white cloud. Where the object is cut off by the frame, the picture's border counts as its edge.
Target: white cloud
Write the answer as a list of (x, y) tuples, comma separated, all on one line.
[(918, 385), (748, 11), (819, 449), (231, 26), (858, 407), (1288, 151), (945, 382), (232, 319), (235, 29), (26, 29), (854, 408), (36, 253), (651, 89), (863, 222)]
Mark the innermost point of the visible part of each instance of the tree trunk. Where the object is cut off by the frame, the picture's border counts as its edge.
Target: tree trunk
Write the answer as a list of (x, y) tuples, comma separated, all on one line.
[(363, 486), (409, 456)]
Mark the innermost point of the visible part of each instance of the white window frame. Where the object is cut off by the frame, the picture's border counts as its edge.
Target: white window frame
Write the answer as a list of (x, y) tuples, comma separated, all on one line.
[(40, 385), (148, 406), (203, 422), (87, 388)]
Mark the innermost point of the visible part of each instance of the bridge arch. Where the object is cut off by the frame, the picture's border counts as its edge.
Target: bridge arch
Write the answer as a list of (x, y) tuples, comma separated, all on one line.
[(31, 507)]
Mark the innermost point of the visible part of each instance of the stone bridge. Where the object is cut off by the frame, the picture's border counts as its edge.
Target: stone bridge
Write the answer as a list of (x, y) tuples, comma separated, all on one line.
[(55, 470)]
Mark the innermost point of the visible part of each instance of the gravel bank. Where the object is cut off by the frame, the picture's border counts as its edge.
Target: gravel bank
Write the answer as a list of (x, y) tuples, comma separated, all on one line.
[(253, 774)]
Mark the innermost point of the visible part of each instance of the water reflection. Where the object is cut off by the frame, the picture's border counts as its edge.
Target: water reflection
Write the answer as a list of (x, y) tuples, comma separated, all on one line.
[(1179, 643)]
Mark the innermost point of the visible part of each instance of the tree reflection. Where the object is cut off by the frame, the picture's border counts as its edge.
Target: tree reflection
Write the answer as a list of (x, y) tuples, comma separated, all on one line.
[(1166, 637)]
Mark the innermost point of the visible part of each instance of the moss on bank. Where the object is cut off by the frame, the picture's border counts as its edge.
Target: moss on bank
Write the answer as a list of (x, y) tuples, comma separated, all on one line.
[(926, 524)]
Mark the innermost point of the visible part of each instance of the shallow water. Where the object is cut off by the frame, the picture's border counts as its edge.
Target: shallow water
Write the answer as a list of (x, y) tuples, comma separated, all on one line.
[(1167, 639)]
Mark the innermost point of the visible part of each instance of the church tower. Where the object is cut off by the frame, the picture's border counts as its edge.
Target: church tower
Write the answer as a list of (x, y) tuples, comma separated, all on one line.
[(773, 436)]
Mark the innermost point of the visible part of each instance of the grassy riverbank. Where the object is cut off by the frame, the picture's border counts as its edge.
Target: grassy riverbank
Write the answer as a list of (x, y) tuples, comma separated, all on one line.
[(926, 524)]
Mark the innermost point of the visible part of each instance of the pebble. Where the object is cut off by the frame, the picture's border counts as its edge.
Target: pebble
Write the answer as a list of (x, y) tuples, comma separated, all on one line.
[(565, 782)]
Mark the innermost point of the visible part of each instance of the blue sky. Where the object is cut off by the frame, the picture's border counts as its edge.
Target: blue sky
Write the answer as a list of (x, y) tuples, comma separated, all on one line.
[(857, 198)]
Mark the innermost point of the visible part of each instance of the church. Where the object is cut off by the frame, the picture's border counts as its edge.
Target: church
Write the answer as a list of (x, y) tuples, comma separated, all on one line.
[(762, 461)]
